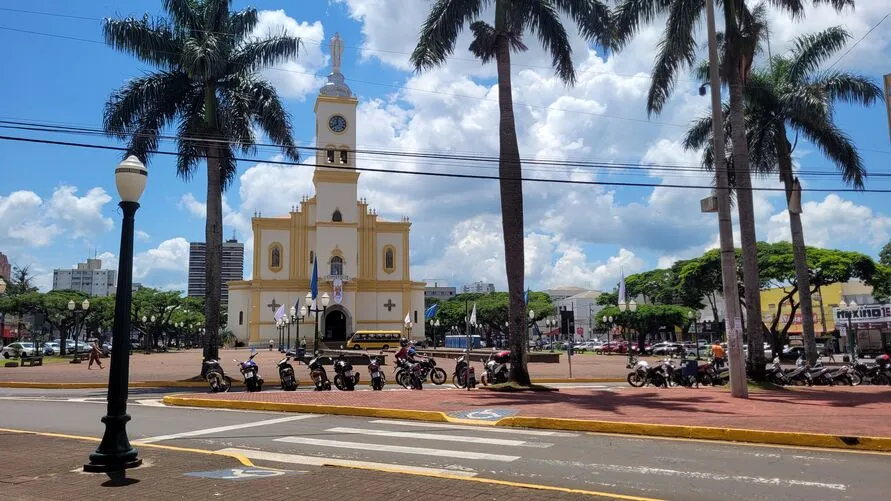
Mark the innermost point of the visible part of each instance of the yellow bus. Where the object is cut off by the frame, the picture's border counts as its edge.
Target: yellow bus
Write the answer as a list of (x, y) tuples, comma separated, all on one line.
[(374, 340)]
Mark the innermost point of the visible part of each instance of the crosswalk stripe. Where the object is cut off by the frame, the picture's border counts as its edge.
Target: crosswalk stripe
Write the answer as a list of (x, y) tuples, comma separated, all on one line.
[(487, 429), (434, 436), (220, 429), (278, 457), (400, 449)]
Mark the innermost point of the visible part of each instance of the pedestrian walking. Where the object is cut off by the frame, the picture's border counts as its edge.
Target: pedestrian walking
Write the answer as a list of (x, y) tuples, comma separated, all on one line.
[(828, 352), (94, 356), (270, 345)]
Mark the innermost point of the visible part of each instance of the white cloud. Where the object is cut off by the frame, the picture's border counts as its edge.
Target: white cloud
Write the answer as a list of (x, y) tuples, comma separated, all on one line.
[(141, 235), (296, 78), (82, 216), (169, 255), (835, 222)]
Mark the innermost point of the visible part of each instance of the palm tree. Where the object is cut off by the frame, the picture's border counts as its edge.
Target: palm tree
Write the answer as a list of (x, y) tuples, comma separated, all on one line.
[(677, 50), (207, 87), (792, 93), (446, 20)]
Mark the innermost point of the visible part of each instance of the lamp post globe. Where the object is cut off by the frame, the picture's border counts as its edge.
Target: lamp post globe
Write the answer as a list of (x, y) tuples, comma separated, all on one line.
[(325, 300), (632, 306), (293, 311), (302, 311), (71, 305), (115, 453)]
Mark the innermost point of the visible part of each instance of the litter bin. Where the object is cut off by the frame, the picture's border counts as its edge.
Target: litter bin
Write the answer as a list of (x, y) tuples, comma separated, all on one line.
[(690, 370), (301, 352)]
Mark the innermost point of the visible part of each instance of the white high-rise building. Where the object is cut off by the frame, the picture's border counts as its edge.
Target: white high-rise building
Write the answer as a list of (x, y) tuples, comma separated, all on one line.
[(87, 277), (483, 287)]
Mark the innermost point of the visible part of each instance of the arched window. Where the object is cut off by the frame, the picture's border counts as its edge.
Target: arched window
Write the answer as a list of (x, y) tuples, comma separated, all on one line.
[(336, 265), (337, 217), (275, 257), (389, 259)]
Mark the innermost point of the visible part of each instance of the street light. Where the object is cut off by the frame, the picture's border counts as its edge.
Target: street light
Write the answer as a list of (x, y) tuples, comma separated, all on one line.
[(2, 315), (72, 307), (608, 320), (435, 328), (850, 308), (115, 453), (324, 300), (694, 316)]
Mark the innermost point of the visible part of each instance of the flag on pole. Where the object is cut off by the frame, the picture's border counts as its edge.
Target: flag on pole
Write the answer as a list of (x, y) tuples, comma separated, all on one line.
[(473, 315), (279, 313), (314, 282), (621, 285), (526, 297), (431, 311)]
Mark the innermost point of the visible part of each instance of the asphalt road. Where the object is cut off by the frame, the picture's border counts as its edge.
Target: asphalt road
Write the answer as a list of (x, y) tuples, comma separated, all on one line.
[(652, 468)]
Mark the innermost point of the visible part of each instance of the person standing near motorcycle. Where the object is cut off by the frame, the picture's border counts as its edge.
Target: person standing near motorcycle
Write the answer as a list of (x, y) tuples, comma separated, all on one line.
[(719, 355)]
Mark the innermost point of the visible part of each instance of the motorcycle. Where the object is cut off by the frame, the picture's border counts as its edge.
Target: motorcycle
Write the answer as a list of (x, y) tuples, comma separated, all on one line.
[(218, 381), (250, 371), (286, 373), (436, 374), (318, 374), (844, 374), (711, 375), (871, 374), (496, 368), (344, 379), (776, 374), (643, 374), (377, 375), (459, 376), (820, 375), (416, 376)]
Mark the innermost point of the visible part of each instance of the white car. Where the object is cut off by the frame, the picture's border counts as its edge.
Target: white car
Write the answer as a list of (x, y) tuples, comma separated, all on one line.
[(51, 348), (17, 349)]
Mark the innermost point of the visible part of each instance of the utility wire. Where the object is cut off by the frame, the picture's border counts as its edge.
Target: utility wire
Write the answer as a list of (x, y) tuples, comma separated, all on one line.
[(858, 41), (435, 174)]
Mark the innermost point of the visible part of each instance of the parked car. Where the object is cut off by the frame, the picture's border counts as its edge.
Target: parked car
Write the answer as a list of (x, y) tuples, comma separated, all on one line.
[(17, 349), (82, 347), (666, 348), (51, 348)]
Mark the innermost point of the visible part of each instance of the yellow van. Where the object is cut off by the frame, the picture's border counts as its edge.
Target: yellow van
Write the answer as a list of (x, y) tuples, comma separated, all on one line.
[(374, 340)]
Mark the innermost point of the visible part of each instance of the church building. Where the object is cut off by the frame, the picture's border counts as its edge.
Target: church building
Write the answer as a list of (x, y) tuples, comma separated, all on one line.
[(363, 261)]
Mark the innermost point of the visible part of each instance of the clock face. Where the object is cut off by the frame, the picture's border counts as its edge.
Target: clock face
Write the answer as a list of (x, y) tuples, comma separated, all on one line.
[(337, 123)]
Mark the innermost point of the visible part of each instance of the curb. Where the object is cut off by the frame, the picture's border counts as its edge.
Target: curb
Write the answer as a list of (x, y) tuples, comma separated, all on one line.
[(853, 443), (546, 380), (84, 386)]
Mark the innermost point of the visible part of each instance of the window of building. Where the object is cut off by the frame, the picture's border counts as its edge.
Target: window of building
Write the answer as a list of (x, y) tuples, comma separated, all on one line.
[(337, 265), (240, 318), (389, 259), (275, 256), (343, 157), (330, 156), (416, 316), (337, 217), (312, 257)]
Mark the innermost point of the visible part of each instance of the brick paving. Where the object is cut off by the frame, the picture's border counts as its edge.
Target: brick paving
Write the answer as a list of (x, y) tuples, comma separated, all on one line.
[(176, 366), (861, 410), (42, 468)]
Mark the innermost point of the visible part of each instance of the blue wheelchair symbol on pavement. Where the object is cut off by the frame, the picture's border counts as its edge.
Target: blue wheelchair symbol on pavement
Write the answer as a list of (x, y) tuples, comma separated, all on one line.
[(239, 473), (483, 414)]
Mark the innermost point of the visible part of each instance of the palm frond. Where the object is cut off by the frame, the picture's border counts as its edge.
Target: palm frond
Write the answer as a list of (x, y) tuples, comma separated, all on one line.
[(151, 41), (440, 31), (593, 18), (216, 14), (228, 167), (483, 44), (835, 144), (126, 107), (243, 22), (699, 135), (850, 88), (677, 48), (267, 111), (629, 15), (189, 134), (836, 4), (544, 20), (258, 54), (793, 7), (206, 58), (813, 49), (184, 15)]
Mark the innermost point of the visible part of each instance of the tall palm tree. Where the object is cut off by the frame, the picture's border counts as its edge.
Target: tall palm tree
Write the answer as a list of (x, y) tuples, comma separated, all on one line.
[(208, 88), (436, 41), (793, 93), (678, 50)]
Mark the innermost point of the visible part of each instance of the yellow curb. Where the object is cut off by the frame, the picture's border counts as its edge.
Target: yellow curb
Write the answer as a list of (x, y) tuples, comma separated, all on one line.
[(859, 443), (239, 457), (84, 386), (579, 380), (492, 481)]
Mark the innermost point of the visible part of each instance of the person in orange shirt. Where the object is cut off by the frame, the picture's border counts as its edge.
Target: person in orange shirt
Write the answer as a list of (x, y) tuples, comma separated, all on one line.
[(719, 355)]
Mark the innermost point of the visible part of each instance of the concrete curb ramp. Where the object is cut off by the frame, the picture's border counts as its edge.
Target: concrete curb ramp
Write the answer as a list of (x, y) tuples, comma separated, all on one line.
[(854, 443)]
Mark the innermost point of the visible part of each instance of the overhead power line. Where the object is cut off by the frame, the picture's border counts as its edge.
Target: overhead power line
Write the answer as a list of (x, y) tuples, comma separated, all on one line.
[(436, 174), (882, 20)]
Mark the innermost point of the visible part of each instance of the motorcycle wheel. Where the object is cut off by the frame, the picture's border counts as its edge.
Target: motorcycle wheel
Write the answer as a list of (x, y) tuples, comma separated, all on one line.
[(402, 379), (706, 380), (880, 379), (635, 380), (438, 376), (484, 380), (338, 382), (460, 379), (856, 378)]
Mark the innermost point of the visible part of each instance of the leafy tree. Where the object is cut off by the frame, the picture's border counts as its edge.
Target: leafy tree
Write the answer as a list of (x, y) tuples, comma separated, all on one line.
[(608, 298), (207, 86), (21, 281), (739, 45), (793, 94), (491, 311), (512, 19), (647, 319), (885, 255), (163, 306)]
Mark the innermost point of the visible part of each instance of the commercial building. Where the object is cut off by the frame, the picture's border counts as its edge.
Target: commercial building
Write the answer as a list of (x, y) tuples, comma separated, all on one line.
[(481, 287), (438, 290), (585, 308), (562, 292), (88, 277), (232, 267)]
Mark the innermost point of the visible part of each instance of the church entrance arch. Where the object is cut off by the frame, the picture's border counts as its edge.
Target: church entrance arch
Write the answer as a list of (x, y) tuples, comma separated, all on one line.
[(337, 324)]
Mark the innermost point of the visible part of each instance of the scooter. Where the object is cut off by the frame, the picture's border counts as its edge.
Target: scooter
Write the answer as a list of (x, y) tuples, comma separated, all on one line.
[(218, 381), (377, 375), (286, 373), (496, 368), (250, 371), (343, 375), (459, 377), (318, 374)]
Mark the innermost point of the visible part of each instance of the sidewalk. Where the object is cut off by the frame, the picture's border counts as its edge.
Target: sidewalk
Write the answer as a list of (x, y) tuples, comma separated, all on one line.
[(38, 467), (842, 412)]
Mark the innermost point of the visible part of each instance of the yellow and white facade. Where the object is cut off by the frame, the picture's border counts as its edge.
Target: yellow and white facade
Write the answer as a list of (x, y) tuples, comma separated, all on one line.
[(368, 258)]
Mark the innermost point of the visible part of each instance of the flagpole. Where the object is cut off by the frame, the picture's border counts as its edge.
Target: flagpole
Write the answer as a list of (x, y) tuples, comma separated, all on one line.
[(467, 347)]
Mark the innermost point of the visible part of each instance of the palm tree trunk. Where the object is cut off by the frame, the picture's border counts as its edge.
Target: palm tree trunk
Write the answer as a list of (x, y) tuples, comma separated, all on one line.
[(511, 185), (746, 208), (213, 234), (799, 251)]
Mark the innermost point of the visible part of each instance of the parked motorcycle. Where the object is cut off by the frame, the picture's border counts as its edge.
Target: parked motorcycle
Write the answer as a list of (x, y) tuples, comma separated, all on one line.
[(844, 374), (218, 381), (377, 375), (286, 373), (436, 374), (871, 374), (709, 374), (821, 375), (318, 374), (459, 377), (416, 376), (344, 379), (250, 371), (496, 368)]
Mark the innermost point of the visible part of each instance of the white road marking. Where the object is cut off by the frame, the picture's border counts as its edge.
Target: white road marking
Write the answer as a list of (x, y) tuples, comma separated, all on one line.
[(400, 449), (434, 436), (151, 402), (278, 457), (444, 426), (219, 429)]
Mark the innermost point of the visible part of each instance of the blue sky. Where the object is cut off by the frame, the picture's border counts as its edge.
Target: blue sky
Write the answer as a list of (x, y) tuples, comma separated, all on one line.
[(57, 204)]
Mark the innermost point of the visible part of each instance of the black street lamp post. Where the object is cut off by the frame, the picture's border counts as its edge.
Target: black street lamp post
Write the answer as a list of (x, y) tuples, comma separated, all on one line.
[(76, 327), (115, 453), (324, 300)]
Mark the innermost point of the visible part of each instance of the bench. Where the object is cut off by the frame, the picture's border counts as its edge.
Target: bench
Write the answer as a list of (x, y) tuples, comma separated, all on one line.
[(32, 361), (79, 356)]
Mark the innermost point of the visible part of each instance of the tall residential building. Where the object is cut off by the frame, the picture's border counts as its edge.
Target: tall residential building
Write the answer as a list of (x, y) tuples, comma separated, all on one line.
[(481, 286), (438, 290), (233, 267), (5, 271), (87, 277)]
